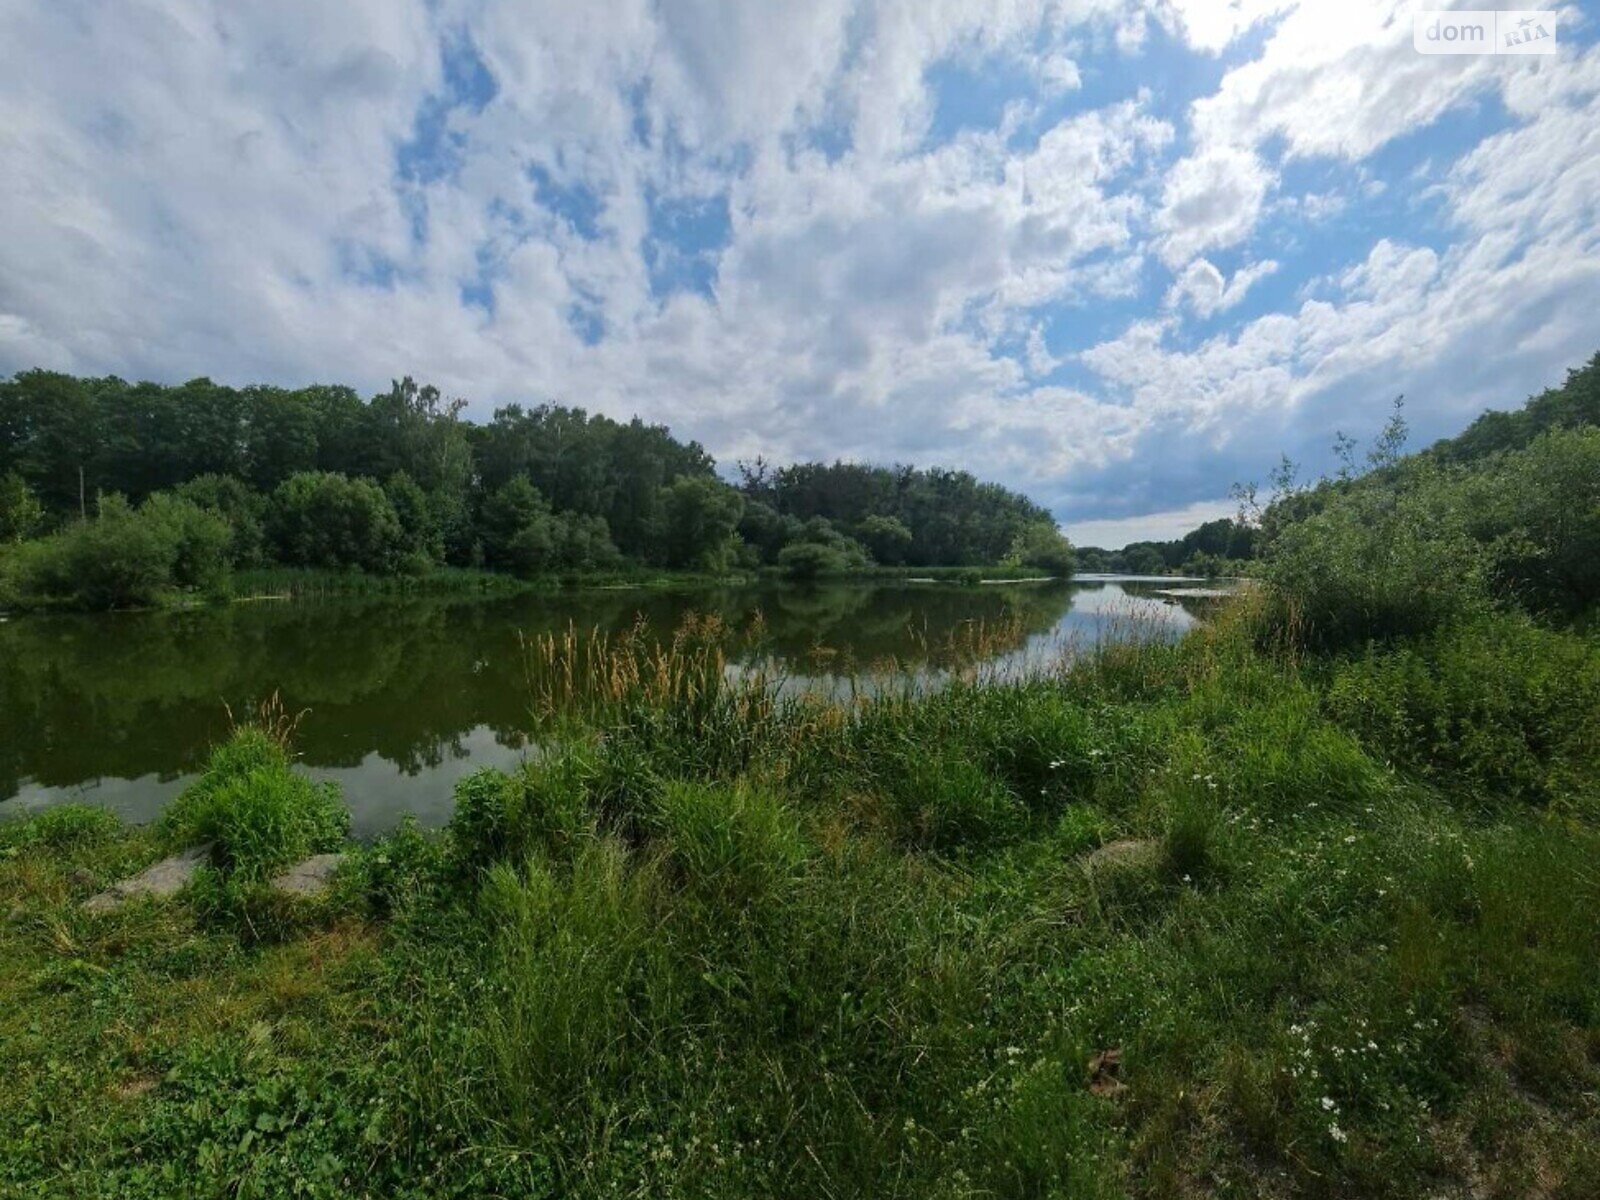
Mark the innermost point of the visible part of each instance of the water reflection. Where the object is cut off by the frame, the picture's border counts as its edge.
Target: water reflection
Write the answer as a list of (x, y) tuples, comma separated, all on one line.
[(407, 695)]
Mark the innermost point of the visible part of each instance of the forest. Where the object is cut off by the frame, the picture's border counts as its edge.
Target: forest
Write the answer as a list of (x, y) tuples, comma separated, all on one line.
[(117, 494)]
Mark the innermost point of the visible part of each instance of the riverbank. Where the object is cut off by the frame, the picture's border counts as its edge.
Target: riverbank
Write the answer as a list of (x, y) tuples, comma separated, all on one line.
[(297, 583), (1213, 917)]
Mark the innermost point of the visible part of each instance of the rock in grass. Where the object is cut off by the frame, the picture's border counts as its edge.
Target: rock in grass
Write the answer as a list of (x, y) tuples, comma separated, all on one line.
[(160, 881), (309, 878), (1127, 852)]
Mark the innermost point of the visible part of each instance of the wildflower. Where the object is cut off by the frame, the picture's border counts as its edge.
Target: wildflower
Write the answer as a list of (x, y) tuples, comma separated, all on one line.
[(1351, 840), (1327, 1104), (1336, 1133)]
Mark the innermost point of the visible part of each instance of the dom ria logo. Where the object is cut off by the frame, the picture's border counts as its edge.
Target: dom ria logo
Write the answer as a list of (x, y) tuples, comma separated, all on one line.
[(1485, 31)]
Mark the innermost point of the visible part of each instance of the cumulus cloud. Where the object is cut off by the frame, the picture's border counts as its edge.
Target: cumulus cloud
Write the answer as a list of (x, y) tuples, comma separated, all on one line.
[(1204, 291), (800, 230)]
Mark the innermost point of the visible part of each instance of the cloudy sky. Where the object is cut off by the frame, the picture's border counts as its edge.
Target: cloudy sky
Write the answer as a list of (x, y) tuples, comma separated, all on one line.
[(1118, 254)]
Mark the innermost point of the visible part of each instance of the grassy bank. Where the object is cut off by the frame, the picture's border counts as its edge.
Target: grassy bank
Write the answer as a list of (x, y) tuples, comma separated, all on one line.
[(1205, 918)]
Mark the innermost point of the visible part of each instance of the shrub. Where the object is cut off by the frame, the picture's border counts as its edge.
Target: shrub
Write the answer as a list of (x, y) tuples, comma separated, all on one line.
[(544, 809), (1500, 704), (323, 519), (1380, 561), (1538, 512), (809, 560), (200, 540)]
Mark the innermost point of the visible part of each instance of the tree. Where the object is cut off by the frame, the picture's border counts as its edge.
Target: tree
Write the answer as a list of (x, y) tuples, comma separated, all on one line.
[(324, 519), (420, 541), (515, 525), (199, 539), (886, 538), (1043, 546), (21, 514), (242, 508), (697, 521)]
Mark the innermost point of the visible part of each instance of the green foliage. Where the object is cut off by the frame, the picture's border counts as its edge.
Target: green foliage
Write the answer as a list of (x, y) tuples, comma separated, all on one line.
[(544, 809), (1498, 707), (1043, 546), (697, 523), (67, 826), (233, 500), (522, 535), (812, 560), (21, 514), (124, 557), (259, 815), (1382, 562), (324, 519), (741, 846), (200, 540), (1537, 512), (421, 539), (886, 538)]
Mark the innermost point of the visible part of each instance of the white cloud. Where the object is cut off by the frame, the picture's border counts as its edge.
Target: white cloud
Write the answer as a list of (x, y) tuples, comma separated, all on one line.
[(1211, 201), (1113, 533), (1204, 290), (210, 188)]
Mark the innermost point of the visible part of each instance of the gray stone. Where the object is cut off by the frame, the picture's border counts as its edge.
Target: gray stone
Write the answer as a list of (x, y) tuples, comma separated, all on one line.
[(1127, 852), (309, 878), (162, 880)]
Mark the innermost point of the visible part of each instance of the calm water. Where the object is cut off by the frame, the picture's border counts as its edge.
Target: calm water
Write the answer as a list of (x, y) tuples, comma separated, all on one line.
[(406, 695)]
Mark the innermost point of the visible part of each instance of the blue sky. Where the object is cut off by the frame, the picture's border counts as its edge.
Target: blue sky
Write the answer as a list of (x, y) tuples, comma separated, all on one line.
[(1117, 254)]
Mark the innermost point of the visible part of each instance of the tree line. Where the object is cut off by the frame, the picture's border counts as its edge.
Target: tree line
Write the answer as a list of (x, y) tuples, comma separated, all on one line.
[(148, 486)]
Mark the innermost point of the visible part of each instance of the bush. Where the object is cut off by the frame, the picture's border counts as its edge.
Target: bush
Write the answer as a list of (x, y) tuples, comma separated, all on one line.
[(1044, 547), (1506, 707), (1380, 561), (545, 810), (323, 519), (809, 560), (200, 541), (117, 560), (1538, 512)]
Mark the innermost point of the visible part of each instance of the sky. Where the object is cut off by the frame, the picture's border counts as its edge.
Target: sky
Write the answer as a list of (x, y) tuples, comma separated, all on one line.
[(1118, 254)]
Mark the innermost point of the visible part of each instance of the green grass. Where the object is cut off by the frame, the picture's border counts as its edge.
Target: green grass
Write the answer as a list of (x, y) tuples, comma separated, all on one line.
[(1345, 936)]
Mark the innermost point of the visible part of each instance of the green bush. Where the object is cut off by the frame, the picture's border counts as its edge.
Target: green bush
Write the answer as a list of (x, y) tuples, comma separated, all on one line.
[(1508, 708), (811, 560), (124, 557), (1537, 510), (324, 519), (545, 809), (1382, 560)]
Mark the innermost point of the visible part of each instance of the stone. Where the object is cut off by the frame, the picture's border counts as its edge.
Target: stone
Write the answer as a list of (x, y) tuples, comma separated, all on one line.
[(160, 881), (311, 877), (1127, 852)]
